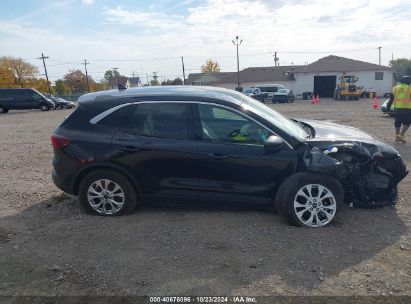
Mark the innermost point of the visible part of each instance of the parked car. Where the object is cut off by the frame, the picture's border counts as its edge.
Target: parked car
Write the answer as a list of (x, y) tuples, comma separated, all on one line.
[(283, 95), (23, 99), (385, 110), (61, 103), (256, 94), (270, 89), (122, 147)]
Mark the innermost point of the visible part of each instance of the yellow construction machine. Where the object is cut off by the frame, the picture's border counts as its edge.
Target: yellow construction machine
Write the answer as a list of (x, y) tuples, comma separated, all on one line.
[(347, 88)]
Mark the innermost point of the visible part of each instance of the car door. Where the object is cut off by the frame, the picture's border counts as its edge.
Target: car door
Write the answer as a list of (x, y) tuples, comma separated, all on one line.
[(157, 144), (26, 100), (19, 99), (233, 163)]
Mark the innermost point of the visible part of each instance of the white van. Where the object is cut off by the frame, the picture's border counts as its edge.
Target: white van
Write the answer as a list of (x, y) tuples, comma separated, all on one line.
[(270, 89)]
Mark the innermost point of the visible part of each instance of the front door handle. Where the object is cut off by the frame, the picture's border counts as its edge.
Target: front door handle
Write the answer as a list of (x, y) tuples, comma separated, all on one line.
[(221, 156), (130, 148)]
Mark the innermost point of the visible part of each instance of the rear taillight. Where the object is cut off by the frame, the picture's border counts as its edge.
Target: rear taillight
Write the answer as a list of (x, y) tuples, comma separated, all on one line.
[(59, 142)]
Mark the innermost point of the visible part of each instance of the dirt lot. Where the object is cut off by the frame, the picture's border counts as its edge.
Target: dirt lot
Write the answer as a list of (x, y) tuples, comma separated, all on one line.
[(48, 246)]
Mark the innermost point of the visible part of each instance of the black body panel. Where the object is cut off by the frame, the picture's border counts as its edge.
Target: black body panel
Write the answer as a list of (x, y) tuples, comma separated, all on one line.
[(164, 153)]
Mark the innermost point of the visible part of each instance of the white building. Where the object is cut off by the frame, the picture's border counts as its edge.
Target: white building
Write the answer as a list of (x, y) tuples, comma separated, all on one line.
[(320, 76)]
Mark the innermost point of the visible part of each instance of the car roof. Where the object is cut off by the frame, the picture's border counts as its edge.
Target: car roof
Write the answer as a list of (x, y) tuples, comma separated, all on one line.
[(185, 92), (269, 85), (17, 89)]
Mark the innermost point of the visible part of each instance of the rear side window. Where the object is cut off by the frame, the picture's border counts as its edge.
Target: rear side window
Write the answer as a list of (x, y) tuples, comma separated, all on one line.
[(115, 119), (165, 120), (268, 89)]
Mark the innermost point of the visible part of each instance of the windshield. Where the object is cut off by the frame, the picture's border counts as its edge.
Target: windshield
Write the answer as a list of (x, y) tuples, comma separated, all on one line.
[(282, 122), (283, 91), (248, 90), (47, 98)]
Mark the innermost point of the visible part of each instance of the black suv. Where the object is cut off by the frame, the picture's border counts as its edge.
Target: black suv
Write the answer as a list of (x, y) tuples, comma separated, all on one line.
[(23, 99), (120, 147)]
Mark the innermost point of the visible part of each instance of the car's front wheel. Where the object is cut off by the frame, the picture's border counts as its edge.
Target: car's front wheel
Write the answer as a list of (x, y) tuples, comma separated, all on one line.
[(45, 108), (3, 110), (309, 199), (107, 192)]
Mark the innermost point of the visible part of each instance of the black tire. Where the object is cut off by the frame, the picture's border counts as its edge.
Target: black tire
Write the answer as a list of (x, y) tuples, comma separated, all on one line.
[(3, 110), (44, 108), (287, 193), (130, 194)]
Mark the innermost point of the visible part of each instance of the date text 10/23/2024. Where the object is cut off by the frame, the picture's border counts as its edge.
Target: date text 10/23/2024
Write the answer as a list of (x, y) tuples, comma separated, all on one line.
[(204, 299)]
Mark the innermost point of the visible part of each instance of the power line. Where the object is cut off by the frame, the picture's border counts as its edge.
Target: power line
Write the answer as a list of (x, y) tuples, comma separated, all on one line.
[(208, 56)]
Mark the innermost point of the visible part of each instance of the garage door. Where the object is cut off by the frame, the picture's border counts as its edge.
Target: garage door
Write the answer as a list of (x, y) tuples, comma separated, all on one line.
[(325, 85)]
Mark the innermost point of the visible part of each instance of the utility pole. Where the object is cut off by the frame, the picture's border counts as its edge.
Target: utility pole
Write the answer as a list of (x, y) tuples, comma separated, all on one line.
[(155, 77), (379, 55), (45, 70), (184, 73), (237, 42), (85, 67), (393, 69), (276, 59), (115, 72)]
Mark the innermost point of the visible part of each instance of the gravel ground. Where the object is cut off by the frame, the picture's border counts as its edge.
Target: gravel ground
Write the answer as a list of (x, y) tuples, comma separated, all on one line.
[(48, 246)]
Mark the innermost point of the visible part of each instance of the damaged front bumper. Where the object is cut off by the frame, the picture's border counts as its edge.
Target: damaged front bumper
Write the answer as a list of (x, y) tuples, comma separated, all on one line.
[(369, 173)]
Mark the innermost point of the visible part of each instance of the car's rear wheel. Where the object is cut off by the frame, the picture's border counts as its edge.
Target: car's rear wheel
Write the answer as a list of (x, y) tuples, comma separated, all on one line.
[(309, 199), (107, 193)]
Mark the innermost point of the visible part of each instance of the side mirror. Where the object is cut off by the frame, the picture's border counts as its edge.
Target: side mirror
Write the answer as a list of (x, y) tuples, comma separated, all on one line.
[(273, 144)]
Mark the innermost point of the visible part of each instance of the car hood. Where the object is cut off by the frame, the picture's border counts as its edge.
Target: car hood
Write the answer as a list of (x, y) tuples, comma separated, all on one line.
[(332, 131), (328, 133), (285, 94)]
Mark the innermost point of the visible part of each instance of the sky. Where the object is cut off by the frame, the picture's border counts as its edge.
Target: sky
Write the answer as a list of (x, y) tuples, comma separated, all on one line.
[(143, 37)]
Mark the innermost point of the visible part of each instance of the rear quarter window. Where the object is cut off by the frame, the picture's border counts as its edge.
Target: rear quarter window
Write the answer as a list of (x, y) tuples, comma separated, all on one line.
[(115, 119)]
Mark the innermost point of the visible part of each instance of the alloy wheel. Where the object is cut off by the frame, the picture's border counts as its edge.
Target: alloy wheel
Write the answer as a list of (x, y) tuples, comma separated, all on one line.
[(106, 196), (315, 205)]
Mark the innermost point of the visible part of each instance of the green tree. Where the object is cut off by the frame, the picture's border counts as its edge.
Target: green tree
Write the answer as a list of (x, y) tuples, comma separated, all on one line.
[(154, 82), (401, 67), (178, 81), (61, 88), (76, 81), (210, 66), (110, 74)]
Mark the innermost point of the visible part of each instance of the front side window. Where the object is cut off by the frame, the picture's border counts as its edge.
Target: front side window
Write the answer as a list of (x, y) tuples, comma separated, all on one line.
[(36, 96), (275, 118), (222, 125), (165, 120)]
